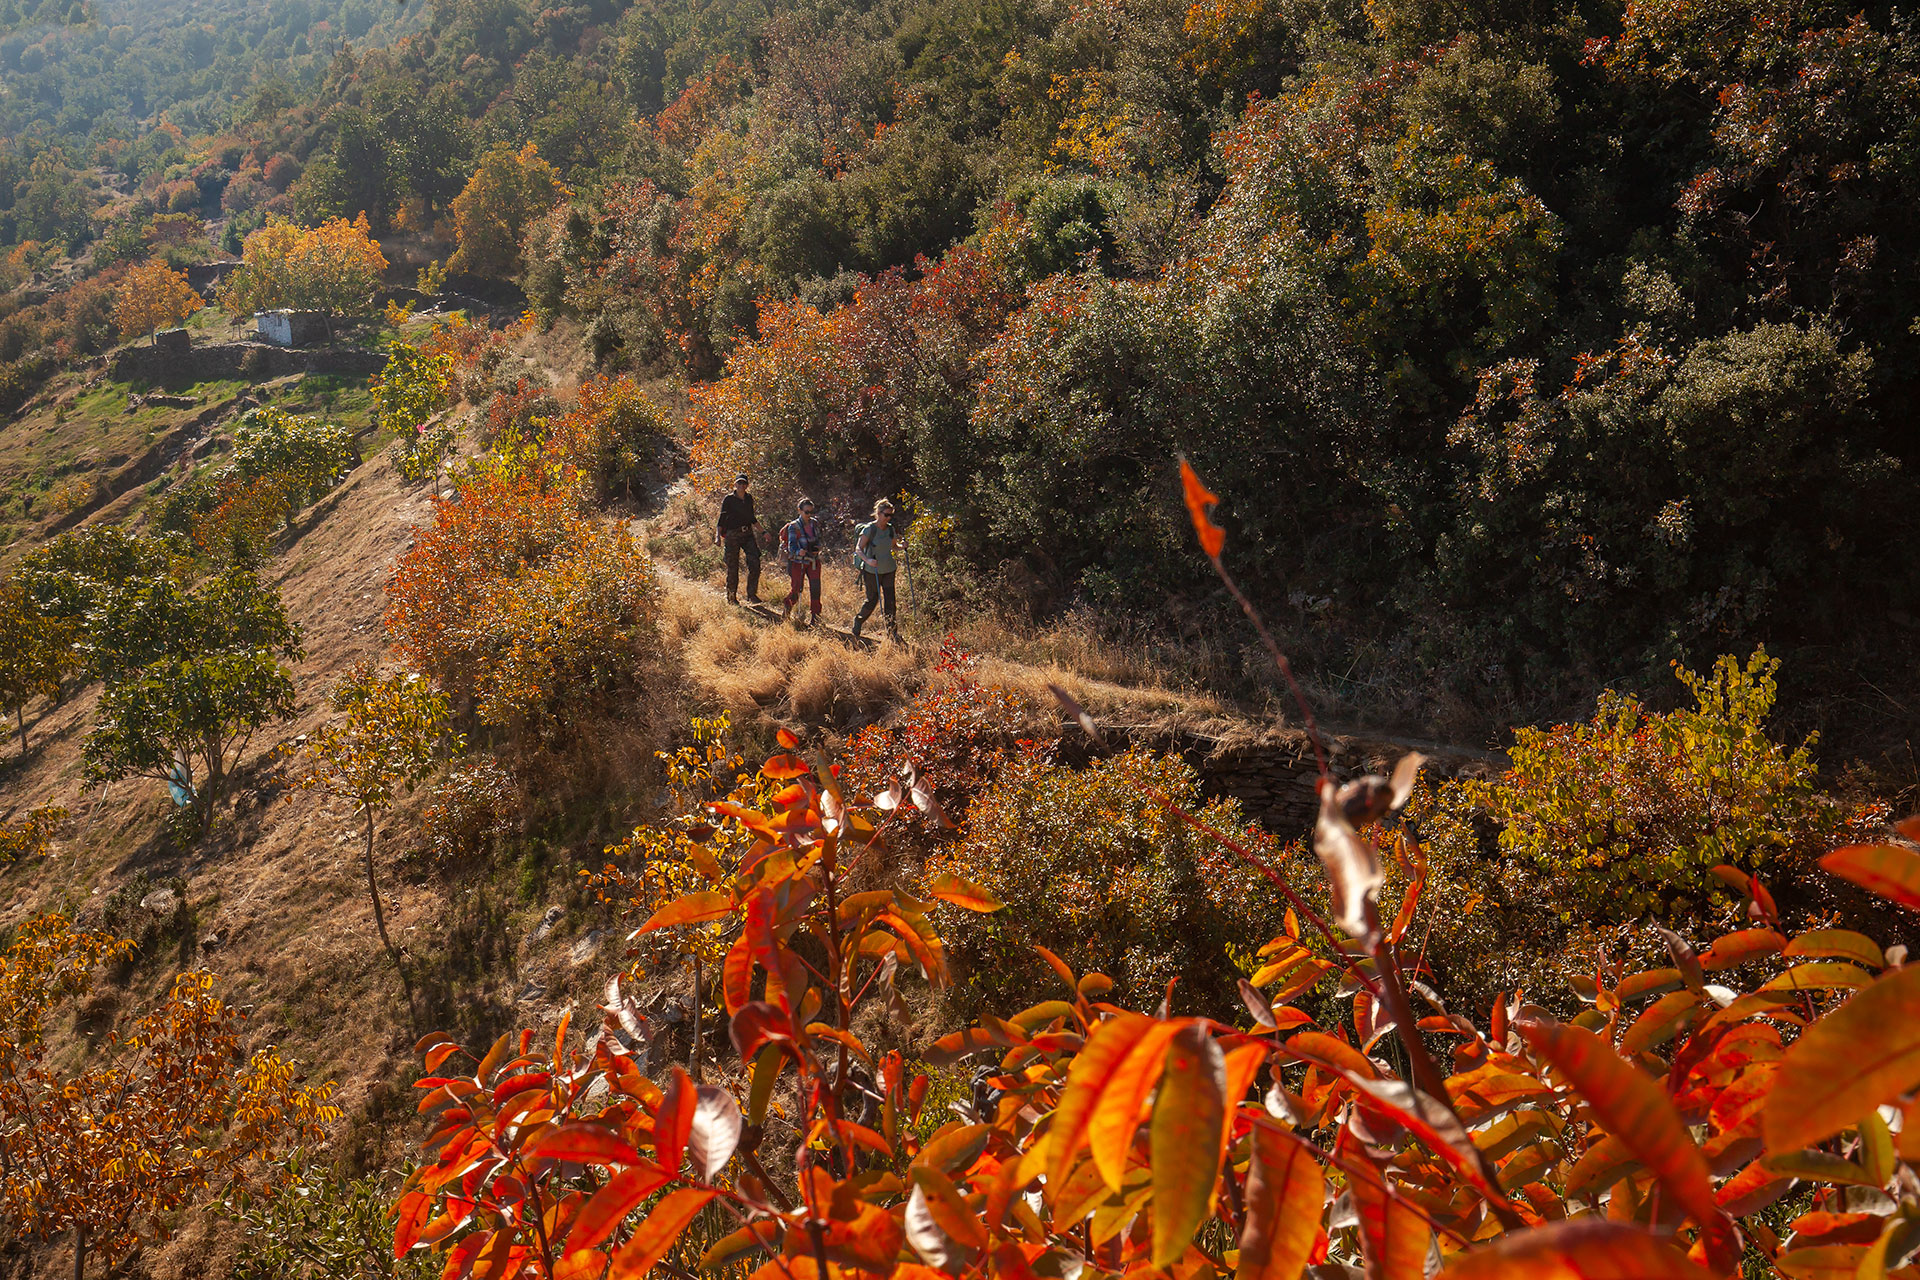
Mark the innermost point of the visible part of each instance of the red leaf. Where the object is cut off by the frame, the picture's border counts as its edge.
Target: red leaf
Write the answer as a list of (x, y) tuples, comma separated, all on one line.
[(622, 1193), (657, 1234), (756, 1025), (1863, 1054), (1585, 1249), (1631, 1108), (1394, 1237), (673, 1122), (1286, 1192), (786, 738), (1891, 872), (583, 1142), (1200, 499)]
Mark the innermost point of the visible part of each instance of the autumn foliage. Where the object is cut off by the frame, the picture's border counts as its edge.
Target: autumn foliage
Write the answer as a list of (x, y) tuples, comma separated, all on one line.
[(169, 1110), (517, 602), (151, 296), (1647, 1136), (333, 267)]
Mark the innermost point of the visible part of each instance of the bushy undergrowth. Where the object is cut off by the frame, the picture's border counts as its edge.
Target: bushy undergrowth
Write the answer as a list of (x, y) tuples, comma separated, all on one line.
[(1600, 826), (1094, 865)]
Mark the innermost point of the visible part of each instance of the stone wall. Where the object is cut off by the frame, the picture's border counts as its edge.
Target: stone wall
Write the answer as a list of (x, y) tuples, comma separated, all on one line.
[(250, 361), (1272, 774)]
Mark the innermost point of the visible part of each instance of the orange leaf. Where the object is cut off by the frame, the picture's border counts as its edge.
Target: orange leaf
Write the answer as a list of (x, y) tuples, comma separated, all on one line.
[(949, 1211), (1632, 1108), (786, 738), (1213, 539), (1116, 1116), (614, 1201), (1863, 1054), (963, 893), (1892, 873), (1092, 1071), (1286, 1192), (1188, 1118), (781, 767), (582, 1142), (1394, 1237), (657, 1234), (1739, 947), (1585, 1249), (692, 909), (410, 1215)]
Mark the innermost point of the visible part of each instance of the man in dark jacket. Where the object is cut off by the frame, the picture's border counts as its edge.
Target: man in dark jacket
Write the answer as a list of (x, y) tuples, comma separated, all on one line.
[(739, 531)]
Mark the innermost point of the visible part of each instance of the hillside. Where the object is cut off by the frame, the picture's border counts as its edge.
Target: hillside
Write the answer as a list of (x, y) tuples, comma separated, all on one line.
[(1358, 722)]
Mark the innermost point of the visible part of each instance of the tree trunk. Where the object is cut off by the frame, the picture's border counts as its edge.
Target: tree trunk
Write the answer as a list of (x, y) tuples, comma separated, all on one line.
[(79, 1253), (373, 890), (693, 1058)]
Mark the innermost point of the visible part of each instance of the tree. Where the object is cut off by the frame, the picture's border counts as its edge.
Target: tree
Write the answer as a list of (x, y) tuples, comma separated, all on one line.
[(151, 295), (414, 385), (331, 268), (170, 1109), (39, 652), (148, 620), (506, 193), (379, 744), (187, 721)]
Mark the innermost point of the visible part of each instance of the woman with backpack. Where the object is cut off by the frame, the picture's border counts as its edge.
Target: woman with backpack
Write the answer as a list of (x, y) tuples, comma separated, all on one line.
[(801, 541), (876, 549)]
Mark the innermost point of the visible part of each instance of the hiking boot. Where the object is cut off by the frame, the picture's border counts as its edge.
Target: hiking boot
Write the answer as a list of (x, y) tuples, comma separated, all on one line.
[(753, 599), (732, 598), (857, 624)]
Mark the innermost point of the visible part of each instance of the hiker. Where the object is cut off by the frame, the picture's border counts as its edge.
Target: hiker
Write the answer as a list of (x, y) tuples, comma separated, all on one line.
[(801, 541), (739, 529), (875, 550)]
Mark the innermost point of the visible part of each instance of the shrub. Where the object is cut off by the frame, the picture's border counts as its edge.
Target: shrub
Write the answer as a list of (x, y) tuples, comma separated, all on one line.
[(280, 464), (957, 734), (245, 515), (414, 385), (523, 411), (567, 638), (494, 529), (166, 1109), (29, 836), (476, 804), (609, 437), (1094, 865), (1624, 816)]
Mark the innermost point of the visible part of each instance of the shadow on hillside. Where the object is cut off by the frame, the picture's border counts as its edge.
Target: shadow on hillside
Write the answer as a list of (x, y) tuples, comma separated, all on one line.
[(464, 985)]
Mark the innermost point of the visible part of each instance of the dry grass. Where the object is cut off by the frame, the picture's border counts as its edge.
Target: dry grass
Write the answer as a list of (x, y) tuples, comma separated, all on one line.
[(763, 672), (757, 670)]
